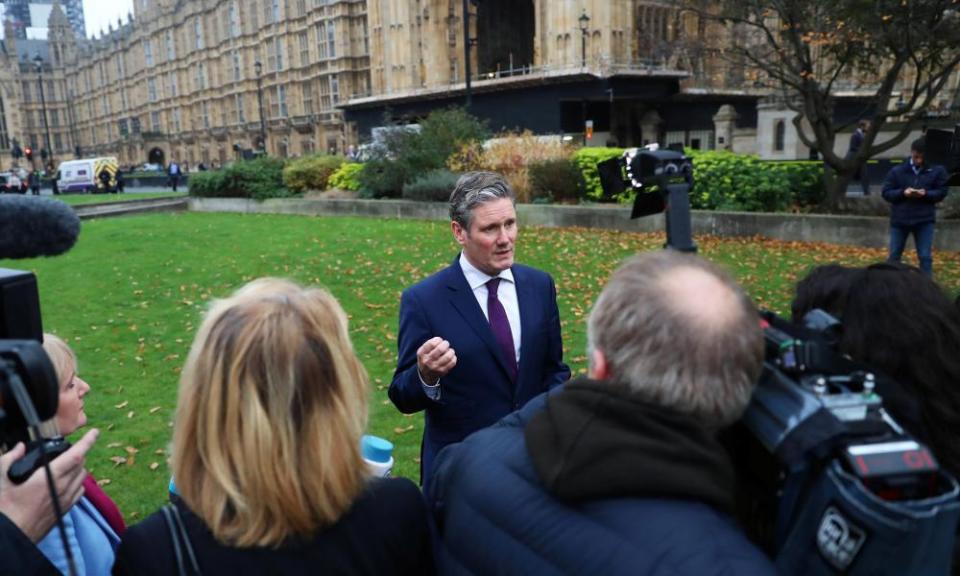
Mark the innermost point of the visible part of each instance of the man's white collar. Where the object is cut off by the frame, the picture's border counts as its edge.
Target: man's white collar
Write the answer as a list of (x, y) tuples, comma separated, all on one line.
[(477, 278)]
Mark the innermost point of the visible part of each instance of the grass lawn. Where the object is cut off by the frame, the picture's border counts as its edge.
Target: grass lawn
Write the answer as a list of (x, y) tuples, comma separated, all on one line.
[(130, 295), (82, 199)]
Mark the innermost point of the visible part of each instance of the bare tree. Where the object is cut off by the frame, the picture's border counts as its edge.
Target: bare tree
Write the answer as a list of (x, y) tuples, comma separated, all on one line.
[(897, 50)]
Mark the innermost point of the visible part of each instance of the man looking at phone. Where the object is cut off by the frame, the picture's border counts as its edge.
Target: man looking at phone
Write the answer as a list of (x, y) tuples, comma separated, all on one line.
[(913, 189)]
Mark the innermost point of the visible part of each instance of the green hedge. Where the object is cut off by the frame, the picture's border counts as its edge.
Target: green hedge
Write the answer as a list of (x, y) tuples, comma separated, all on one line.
[(724, 181), (311, 172), (347, 176), (260, 178), (555, 180)]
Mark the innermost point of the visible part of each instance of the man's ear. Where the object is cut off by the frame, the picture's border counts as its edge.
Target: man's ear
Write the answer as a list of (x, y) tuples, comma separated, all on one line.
[(459, 232), (599, 368)]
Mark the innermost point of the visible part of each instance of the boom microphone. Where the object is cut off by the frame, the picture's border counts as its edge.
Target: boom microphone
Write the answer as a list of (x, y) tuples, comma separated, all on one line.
[(32, 227)]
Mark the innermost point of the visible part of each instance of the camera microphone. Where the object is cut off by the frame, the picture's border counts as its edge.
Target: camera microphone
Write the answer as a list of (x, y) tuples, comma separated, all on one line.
[(32, 227)]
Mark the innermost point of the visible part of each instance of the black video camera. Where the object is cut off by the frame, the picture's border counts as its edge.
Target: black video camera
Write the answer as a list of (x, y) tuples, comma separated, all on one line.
[(828, 480), (943, 148), (663, 180), (29, 390)]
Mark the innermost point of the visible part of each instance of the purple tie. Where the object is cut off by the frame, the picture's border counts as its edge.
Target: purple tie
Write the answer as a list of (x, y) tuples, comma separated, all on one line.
[(501, 327)]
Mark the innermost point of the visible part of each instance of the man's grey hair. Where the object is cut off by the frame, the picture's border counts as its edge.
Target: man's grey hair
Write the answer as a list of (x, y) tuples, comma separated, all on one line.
[(681, 333), (473, 189)]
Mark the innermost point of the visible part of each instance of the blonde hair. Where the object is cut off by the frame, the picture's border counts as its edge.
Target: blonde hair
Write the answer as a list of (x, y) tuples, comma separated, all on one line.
[(271, 408), (61, 356)]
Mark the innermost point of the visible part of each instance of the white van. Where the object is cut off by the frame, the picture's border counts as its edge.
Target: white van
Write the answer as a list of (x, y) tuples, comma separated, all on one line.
[(84, 175)]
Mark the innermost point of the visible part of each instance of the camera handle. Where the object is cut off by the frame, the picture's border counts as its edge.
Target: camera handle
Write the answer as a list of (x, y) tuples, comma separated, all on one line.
[(33, 423), (677, 216)]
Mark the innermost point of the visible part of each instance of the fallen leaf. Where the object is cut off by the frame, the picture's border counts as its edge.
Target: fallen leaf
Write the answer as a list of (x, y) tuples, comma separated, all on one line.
[(154, 410), (122, 405), (154, 465)]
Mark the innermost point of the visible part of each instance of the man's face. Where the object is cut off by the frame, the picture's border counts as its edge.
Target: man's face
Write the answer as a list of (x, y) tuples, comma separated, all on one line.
[(917, 157), (488, 244)]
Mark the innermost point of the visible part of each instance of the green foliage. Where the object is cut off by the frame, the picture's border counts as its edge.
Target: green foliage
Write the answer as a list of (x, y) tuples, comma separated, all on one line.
[(433, 186), (209, 184), (728, 181), (586, 160), (382, 178), (311, 172), (558, 180), (259, 179), (347, 176), (805, 182), (409, 153)]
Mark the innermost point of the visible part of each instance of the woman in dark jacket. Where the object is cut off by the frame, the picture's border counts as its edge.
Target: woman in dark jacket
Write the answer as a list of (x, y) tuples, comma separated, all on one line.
[(266, 453)]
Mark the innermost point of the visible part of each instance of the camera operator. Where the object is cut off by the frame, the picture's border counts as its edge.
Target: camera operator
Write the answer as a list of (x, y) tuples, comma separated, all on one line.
[(900, 322), (26, 510)]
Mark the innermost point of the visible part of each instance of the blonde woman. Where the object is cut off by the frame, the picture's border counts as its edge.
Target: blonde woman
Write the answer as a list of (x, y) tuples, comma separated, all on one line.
[(94, 524), (266, 453)]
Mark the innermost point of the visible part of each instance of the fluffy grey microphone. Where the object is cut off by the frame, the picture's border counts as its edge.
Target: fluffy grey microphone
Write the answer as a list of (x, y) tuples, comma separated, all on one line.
[(31, 227)]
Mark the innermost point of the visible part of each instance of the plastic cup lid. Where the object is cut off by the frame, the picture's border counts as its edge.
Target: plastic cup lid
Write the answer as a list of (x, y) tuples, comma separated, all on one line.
[(376, 449)]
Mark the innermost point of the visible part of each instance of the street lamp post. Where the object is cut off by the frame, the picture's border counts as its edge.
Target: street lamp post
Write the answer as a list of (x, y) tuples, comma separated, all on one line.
[(73, 125), (466, 51), (38, 63), (258, 68), (584, 31)]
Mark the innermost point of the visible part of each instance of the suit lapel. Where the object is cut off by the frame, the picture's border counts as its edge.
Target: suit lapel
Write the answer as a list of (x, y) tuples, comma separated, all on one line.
[(465, 303), (525, 300)]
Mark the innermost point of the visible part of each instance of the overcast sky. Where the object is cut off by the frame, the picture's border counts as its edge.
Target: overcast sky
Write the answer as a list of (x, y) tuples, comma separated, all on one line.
[(99, 13)]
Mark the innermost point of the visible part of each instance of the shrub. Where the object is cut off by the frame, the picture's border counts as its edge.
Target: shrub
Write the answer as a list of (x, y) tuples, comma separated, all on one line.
[(805, 182), (728, 181), (557, 179), (210, 184), (382, 178), (260, 178), (511, 155), (586, 160), (311, 172), (347, 176), (407, 154), (434, 186)]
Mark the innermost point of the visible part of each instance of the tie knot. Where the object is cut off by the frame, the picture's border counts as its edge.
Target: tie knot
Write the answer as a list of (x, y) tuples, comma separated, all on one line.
[(492, 286)]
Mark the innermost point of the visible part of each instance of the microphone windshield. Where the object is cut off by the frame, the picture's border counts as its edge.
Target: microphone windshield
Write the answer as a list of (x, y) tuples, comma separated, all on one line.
[(32, 227)]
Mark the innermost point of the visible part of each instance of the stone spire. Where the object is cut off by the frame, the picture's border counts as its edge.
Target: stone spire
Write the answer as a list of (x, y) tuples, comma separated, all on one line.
[(58, 19)]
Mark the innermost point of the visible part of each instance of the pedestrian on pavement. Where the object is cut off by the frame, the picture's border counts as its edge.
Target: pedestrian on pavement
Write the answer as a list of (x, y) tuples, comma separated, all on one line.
[(56, 182), (35, 182), (856, 141), (173, 174), (913, 190), (119, 178)]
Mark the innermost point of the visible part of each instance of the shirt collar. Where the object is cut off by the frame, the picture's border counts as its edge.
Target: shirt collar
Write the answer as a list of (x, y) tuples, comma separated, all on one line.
[(476, 278)]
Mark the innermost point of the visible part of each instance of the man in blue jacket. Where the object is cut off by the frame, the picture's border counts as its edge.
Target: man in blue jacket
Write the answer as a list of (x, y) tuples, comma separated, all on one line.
[(913, 189), (481, 337), (620, 472)]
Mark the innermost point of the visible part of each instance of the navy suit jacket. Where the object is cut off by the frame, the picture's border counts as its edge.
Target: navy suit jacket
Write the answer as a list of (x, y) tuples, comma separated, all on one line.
[(478, 391)]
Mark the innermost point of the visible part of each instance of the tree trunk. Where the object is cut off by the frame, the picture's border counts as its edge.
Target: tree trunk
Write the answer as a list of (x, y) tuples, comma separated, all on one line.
[(835, 183)]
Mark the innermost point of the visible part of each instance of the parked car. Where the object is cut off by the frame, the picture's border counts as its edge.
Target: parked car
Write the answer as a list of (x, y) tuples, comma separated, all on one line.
[(10, 183)]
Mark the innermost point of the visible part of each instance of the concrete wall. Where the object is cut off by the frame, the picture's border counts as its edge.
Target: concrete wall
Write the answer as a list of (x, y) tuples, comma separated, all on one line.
[(863, 231)]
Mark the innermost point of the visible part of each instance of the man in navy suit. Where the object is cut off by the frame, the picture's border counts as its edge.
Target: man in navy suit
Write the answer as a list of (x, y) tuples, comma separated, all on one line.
[(481, 337)]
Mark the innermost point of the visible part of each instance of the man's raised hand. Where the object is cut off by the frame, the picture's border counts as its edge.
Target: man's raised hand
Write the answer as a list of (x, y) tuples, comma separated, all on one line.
[(435, 359)]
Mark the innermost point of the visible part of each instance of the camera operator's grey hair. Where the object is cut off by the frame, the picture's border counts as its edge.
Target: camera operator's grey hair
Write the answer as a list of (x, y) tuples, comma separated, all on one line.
[(699, 352), (473, 189)]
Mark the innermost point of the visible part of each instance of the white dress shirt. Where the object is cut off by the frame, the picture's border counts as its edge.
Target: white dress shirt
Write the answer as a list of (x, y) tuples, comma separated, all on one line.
[(506, 294)]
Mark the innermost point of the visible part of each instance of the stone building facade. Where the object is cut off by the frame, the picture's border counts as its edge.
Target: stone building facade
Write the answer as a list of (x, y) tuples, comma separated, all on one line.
[(180, 80)]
